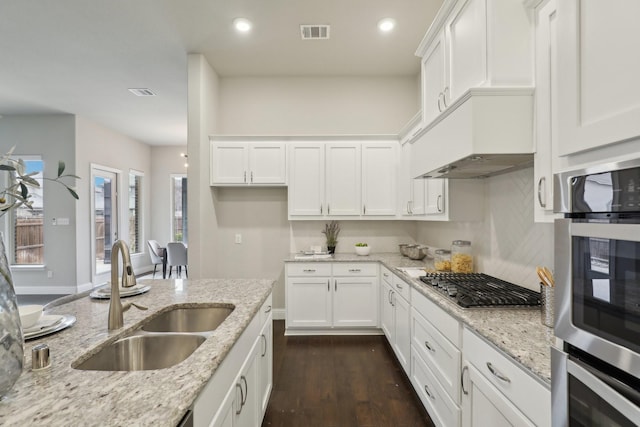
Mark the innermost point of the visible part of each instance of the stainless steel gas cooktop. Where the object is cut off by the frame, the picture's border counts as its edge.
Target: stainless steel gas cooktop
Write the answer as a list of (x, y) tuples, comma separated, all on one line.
[(481, 290)]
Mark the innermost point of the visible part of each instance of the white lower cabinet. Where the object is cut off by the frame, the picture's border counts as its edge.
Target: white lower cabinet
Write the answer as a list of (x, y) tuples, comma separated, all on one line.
[(497, 392), (442, 409), (238, 392), (325, 296), (396, 310)]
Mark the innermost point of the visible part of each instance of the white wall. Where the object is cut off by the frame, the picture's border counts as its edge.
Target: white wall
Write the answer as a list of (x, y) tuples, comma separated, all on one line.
[(96, 144), (508, 244), (316, 106), (52, 137), (165, 161)]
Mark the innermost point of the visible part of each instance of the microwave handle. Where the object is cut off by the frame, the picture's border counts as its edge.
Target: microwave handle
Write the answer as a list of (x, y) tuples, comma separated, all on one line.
[(629, 232), (609, 389)]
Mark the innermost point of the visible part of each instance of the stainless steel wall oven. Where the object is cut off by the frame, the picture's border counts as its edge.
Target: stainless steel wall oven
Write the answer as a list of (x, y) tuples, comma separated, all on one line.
[(596, 376)]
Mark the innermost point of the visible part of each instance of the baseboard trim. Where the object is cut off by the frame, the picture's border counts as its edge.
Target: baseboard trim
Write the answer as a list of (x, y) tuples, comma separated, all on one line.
[(46, 290), (279, 314), (311, 332)]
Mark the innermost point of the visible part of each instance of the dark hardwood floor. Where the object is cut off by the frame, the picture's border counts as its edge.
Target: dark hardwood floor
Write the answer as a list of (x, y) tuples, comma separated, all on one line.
[(341, 381)]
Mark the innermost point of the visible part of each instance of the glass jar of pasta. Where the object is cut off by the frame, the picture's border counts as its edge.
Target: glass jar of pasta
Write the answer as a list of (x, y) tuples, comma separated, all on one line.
[(461, 257), (442, 260)]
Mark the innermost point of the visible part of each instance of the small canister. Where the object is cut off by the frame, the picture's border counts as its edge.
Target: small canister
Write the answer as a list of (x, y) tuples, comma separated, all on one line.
[(442, 260), (461, 256)]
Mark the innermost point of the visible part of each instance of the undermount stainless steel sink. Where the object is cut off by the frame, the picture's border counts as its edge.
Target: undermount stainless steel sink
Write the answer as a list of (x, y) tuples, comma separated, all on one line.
[(191, 319), (143, 352)]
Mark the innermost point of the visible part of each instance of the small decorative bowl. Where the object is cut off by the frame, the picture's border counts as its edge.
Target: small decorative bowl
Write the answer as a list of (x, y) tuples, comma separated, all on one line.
[(363, 250), (29, 315)]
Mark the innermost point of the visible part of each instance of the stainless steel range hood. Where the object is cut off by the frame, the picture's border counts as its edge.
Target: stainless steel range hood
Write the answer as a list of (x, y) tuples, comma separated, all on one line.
[(487, 132), (482, 166)]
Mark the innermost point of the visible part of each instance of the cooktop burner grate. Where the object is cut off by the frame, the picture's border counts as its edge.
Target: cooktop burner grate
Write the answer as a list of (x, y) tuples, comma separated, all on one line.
[(481, 290)]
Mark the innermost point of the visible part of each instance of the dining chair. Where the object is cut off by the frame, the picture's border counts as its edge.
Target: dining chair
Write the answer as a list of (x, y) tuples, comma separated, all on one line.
[(155, 252), (177, 257)]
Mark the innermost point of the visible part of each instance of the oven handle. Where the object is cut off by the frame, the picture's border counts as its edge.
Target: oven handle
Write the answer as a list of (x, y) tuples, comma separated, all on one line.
[(606, 388), (629, 232)]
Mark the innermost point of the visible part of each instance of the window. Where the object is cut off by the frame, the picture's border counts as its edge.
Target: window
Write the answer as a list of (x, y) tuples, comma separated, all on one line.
[(27, 225), (135, 212), (105, 216), (179, 208)]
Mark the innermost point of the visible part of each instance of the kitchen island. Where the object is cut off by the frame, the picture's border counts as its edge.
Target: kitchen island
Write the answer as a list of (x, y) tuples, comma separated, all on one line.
[(61, 395)]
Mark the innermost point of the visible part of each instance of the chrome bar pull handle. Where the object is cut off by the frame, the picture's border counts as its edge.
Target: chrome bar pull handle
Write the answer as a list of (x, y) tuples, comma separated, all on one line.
[(444, 97), (540, 183), (497, 373), (438, 203), (466, 368), (426, 390), (428, 345)]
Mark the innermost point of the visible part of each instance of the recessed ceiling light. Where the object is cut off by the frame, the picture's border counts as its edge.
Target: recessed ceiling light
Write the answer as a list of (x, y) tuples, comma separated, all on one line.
[(387, 24), (242, 24)]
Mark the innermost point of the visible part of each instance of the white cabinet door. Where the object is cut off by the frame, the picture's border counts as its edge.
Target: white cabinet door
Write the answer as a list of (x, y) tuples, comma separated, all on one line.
[(379, 179), (466, 34), (343, 191), (265, 365), (267, 163), (355, 302), (246, 408), (402, 345), (306, 183), (229, 163), (434, 79), (484, 405), (435, 196), (546, 113), (598, 68), (308, 302), (412, 191), (225, 415), (387, 317)]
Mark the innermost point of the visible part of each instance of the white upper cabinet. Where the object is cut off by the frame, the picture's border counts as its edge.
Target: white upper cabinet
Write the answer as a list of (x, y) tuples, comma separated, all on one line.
[(244, 163), (435, 196), (433, 79), (545, 110), (343, 179), (306, 179), (474, 43), (379, 179), (466, 33), (598, 69)]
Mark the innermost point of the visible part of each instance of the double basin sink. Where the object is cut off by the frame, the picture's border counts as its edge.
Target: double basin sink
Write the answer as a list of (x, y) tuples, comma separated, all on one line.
[(163, 341)]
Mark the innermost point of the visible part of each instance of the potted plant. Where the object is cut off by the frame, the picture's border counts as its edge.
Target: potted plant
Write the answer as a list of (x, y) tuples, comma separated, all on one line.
[(362, 249), (331, 231)]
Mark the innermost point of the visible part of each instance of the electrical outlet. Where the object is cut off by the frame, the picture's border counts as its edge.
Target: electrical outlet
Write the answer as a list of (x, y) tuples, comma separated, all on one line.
[(54, 221), (238, 238), (49, 274)]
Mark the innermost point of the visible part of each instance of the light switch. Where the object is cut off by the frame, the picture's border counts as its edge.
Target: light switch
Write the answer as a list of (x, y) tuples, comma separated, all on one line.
[(238, 238), (63, 221)]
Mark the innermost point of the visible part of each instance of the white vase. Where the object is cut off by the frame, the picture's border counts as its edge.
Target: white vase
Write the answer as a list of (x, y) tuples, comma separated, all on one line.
[(11, 338)]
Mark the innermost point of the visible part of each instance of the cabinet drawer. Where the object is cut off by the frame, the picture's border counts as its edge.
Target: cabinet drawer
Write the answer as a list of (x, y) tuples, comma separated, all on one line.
[(402, 288), (355, 269), (446, 324), (386, 275), (309, 269), (438, 352), (266, 309), (442, 410), (529, 395)]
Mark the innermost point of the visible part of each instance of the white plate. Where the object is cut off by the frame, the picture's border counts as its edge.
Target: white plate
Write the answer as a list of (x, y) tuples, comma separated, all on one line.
[(64, 322), (105, 291)]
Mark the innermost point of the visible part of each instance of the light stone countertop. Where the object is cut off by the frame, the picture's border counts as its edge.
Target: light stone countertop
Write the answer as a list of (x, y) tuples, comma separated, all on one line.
[(63, 396), (519, 333)]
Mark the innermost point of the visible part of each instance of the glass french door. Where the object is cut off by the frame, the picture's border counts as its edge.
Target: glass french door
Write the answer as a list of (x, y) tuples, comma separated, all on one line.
[(105, 184)]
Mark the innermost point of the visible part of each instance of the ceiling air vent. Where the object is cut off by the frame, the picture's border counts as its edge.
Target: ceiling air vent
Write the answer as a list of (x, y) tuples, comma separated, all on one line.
[(142, 92), (314, 32)]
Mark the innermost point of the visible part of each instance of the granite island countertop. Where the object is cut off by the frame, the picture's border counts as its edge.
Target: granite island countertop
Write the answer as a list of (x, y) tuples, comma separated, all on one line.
[(63, 396), (519, 333)]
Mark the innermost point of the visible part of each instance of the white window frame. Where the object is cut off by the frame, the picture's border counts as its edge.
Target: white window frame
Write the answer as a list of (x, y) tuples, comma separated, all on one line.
[(141, 216), (172, 178)]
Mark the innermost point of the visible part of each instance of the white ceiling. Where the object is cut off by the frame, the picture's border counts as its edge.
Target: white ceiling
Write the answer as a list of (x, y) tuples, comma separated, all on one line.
[(81, 56)]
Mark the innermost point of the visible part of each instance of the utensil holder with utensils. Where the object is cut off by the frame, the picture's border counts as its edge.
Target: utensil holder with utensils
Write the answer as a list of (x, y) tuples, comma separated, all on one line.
[(546, 302)]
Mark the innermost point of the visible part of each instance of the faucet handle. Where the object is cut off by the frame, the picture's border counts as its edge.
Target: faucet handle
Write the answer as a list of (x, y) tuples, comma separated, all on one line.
[(128, 305)]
